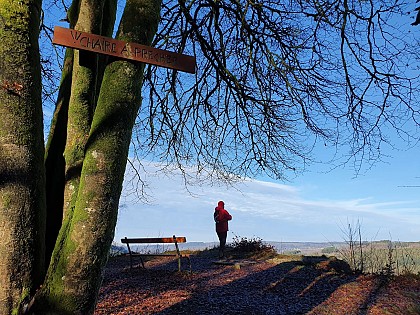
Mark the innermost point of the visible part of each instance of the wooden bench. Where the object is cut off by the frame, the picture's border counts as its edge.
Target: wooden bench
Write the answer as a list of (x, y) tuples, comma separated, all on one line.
[(155, 240)]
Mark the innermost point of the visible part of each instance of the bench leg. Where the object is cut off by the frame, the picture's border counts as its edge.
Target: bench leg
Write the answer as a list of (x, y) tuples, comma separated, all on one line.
[(131, 261), (142, 262), (189, 262)]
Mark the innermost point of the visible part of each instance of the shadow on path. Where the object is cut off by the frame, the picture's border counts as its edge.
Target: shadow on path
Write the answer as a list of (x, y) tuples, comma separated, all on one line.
[(286, 288)]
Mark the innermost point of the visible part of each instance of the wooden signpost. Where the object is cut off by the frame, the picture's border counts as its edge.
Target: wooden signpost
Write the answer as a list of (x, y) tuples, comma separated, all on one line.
[(124, 50)]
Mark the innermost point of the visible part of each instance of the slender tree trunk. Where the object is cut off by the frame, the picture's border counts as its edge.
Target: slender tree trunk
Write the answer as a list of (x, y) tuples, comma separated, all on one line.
[(54, 154), (22, 175), (54, 159), (82, 100), (75, 273)]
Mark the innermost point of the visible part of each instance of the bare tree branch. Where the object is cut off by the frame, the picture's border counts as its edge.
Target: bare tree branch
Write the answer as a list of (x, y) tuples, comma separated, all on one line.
[(275, 78)]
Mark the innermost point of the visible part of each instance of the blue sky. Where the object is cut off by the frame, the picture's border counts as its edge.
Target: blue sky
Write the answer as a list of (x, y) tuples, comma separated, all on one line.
[(312, 207), (315, 206)]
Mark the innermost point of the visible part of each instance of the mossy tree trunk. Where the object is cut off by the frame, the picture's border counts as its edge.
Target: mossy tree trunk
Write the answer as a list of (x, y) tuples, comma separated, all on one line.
[(85, 157), (98, 138), (79, 87), (54, 159), (54, 153), (22, 175), (82, 100)]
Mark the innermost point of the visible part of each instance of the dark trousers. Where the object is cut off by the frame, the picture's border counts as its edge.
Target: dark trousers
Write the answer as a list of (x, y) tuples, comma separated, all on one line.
[(222, 239)]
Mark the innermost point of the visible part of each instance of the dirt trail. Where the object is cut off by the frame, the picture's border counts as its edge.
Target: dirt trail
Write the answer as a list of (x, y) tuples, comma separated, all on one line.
[(265, 287)]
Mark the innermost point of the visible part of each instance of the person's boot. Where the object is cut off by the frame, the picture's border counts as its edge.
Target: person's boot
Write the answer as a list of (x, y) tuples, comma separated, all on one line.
[(221, 254)]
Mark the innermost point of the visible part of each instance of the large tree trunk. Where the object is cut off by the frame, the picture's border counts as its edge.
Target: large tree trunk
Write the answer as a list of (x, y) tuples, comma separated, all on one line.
[(22, 175), (75, 272), (73, 114)]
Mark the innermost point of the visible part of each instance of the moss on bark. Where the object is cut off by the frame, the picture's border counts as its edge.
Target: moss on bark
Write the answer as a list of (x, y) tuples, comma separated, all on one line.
[(22, 176), (72, 285), (86, 77), (54, 160)]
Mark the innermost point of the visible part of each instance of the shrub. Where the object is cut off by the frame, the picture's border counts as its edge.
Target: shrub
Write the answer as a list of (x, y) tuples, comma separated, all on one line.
[(252, 247), (244, 244)]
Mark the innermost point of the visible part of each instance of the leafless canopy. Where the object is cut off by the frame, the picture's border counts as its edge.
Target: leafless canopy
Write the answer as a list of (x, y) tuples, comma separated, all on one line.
[(273, 78), (276, 79)]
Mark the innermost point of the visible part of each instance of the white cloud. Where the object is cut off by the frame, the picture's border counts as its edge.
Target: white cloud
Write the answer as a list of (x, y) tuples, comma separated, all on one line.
[(272, 211)]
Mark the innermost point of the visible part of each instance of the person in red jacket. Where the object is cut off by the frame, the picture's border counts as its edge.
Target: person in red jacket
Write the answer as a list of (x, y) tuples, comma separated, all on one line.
[(221, 217)]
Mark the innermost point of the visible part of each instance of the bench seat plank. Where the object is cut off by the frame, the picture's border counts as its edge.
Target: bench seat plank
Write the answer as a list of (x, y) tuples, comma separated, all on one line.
[(151, 240)]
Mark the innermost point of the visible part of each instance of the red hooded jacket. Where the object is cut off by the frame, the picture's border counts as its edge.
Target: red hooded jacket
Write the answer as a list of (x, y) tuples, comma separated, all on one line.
[(221, 216)]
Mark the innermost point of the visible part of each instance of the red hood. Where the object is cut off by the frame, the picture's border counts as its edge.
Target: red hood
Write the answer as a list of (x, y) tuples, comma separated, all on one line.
[(220, 205)]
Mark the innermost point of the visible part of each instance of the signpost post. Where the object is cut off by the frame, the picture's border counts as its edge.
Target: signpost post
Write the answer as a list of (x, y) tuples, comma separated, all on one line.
[(124, 50)]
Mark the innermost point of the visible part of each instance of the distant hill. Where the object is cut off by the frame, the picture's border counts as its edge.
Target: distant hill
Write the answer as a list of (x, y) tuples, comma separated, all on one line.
[(303, 248), (281, 247)]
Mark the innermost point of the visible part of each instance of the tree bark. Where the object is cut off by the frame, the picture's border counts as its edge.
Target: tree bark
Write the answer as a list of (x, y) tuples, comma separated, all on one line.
[(87, 78), (22, 174), (82, 100), (54, 159), (75, 274)]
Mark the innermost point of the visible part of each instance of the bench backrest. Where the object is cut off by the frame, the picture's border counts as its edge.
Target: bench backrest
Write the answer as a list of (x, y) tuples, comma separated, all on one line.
[(151, 240)]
